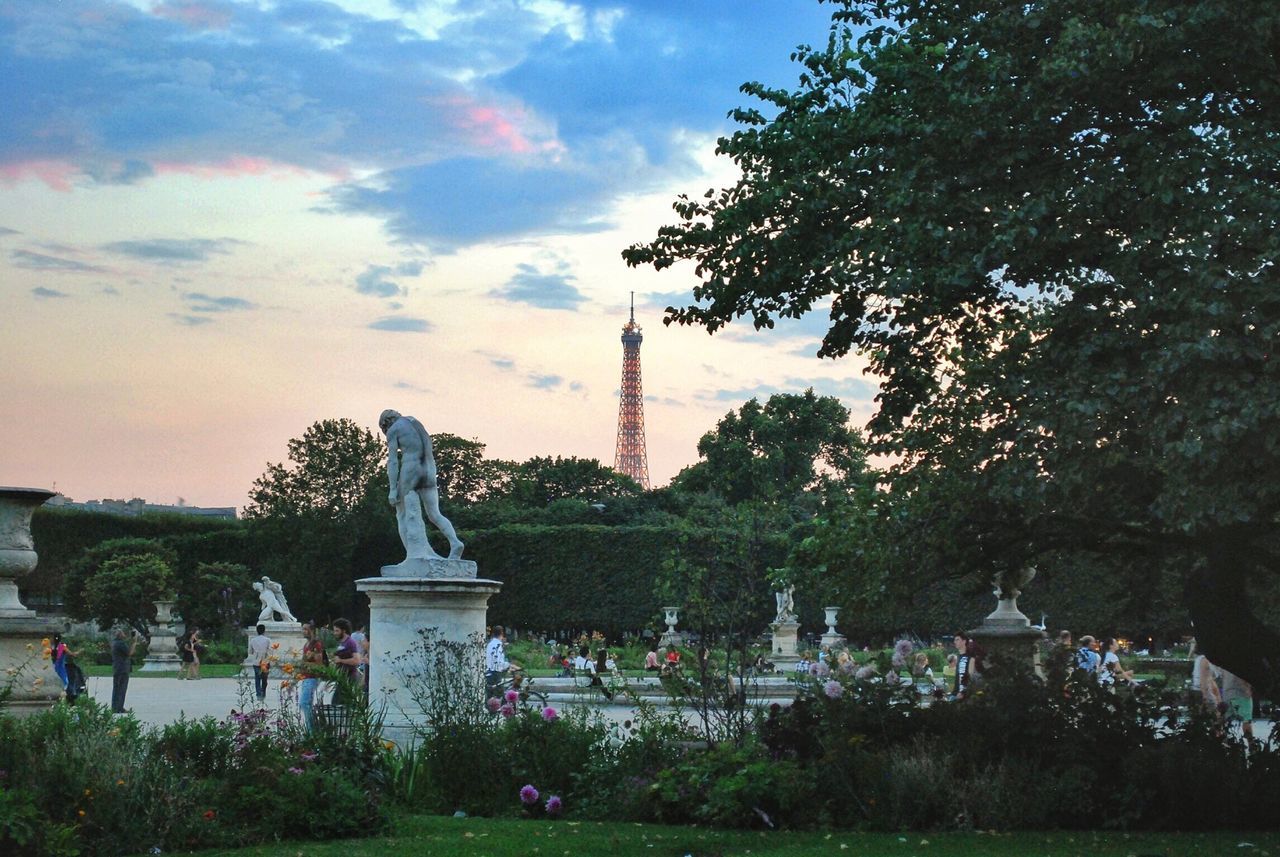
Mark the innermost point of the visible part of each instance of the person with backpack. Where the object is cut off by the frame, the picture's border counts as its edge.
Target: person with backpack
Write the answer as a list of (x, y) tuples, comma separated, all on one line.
[(58, 653), (1087, 657)]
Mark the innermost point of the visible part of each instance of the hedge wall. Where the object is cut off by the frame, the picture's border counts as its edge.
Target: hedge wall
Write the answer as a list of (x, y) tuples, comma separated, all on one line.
[(62, 535)]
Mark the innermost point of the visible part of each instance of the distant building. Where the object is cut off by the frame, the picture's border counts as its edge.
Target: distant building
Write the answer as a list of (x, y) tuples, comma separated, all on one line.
[(138, 506)]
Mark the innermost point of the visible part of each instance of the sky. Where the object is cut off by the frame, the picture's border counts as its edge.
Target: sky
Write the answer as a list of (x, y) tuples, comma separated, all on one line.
[(224, 220)]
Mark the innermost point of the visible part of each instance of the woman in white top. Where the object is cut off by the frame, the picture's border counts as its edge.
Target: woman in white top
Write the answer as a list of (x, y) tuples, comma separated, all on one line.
[(1109, 670)]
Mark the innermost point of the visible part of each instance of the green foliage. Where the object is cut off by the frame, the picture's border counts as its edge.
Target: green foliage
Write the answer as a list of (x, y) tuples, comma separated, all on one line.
[(1050, 228), (62, 536), (791, 444), (124, 587)]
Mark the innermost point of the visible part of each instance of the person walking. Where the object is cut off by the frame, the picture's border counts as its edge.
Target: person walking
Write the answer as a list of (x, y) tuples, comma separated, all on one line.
[(347, 657), (313, 654), (121, 665), (496, 664), (59, 652), (260, 653)]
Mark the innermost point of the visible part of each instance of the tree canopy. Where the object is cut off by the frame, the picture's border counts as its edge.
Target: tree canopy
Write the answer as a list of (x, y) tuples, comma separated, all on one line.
[(793, 443), (1050, 228)]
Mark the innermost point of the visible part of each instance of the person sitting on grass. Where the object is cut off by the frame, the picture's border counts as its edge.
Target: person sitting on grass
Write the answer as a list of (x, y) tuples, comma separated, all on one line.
[(672, 665), (651, 664)]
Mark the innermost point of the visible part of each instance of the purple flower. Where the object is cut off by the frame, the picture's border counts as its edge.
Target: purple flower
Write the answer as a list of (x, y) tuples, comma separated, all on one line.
[(554, 806), (833, 689), (309, 755), (507, 710), (493, 704), (528, 795), (820, 669), (549, 714), (510, 696), (295, 771)]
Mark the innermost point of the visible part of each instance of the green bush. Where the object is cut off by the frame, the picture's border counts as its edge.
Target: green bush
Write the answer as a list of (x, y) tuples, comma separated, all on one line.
[(102, 786)]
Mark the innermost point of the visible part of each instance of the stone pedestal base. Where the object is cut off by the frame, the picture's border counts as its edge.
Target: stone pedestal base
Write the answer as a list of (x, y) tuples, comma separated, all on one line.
[(162, 652), (834, 641), (287, 634), (786, 648), (432, 569), (1009, 637), (454, 609), (670, 638), (34, 685)]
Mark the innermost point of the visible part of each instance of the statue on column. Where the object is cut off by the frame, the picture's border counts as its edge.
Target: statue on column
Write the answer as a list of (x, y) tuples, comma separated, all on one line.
[(271, 594), (785, 603), (411, 470)]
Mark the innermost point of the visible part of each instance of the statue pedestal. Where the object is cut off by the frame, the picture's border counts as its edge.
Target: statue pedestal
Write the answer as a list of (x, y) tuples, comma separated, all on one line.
[(287, 634), (433, 568), (34, 686), (1007, 636), (162, 652), (454, 608), (786, 647)]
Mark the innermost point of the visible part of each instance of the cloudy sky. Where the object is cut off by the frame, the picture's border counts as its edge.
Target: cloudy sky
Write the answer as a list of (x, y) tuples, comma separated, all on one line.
[(223, 220)]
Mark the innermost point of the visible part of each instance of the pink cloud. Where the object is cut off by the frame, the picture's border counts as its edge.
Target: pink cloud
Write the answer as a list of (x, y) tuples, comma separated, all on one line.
[(55, 174), (234, 166), (492, 127), (197, 16)]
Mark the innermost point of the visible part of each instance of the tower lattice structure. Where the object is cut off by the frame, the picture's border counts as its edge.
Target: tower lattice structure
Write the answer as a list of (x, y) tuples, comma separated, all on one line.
[(632, 459)]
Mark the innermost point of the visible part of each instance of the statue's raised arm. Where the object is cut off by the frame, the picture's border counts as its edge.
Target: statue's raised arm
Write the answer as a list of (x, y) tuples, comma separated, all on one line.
[(411, 470)]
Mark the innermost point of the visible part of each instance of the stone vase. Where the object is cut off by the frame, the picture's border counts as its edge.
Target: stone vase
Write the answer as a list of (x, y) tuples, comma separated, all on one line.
[(162, 650), (832, 638), (671, 615), (24, 668), (1007, 634)]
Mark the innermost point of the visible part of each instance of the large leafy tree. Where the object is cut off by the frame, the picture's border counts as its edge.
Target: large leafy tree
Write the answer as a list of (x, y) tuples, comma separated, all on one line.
[(312, 515), (793, 443), (1050, 227), (124, 589)]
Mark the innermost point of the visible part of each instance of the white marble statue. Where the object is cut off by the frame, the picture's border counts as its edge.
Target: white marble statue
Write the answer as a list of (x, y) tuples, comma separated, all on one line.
[(271, 594), (786, 604), (411, 469)]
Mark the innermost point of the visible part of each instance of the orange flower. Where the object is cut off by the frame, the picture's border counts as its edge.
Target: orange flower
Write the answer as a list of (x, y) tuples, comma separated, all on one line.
[(209, 815), (288, 668), (275, 645), (284, 685), (46, 642), (81, 813)]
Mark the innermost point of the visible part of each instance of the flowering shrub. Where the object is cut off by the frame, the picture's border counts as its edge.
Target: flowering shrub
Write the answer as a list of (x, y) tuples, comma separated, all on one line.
[(103, 786)]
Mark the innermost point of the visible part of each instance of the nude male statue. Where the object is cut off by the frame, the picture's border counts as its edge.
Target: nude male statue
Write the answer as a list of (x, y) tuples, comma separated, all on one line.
[(411, 469), (271, 594)]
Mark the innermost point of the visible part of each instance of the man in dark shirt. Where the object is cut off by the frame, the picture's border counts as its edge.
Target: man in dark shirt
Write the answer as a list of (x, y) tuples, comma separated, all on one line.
[(347, 657), (121, 664)]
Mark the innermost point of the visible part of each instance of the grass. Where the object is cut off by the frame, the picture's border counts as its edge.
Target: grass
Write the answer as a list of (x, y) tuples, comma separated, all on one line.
[(481, 837), (206, 671)]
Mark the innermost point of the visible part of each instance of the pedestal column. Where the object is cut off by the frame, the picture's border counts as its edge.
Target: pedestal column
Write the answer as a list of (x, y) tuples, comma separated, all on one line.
[(453, 605), (162, 649), (786, 647)]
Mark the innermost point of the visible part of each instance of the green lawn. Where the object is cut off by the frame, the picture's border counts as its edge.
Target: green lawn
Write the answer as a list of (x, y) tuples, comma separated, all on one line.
[(477, 837), (206, 671)]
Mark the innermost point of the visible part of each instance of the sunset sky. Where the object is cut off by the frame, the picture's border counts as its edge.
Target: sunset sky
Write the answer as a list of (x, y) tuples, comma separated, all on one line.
[(221, 221)]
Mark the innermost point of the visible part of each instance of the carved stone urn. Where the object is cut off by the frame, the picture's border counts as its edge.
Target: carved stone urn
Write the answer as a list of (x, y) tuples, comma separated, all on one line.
[(17, 551), (24, 668), (832, 638), (1006, 633), (671, 615)]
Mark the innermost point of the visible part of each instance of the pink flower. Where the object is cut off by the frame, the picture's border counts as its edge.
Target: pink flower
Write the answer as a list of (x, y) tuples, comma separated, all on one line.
[(554, 806), (493, 704), (549, 714), (510, 696), (295, 771), (833, 689), (528, 795), (507, 710), (309, 756)]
